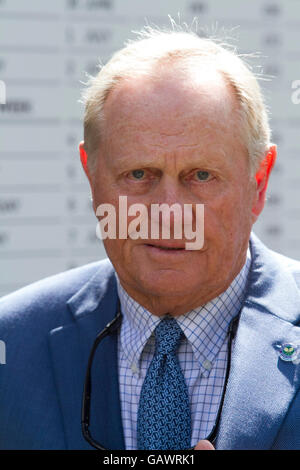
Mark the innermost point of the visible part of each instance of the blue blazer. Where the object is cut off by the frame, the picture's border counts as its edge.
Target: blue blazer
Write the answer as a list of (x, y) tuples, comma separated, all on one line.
[(49, 327)]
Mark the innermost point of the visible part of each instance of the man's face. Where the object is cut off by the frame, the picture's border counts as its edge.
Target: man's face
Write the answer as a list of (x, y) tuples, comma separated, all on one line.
[(177, 140)]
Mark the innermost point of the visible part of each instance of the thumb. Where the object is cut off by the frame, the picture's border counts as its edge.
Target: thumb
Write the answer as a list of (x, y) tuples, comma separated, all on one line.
[(204, 445)]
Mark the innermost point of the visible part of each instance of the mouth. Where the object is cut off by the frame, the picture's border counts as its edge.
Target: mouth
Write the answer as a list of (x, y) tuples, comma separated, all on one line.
[(166, 248), (162, 247)]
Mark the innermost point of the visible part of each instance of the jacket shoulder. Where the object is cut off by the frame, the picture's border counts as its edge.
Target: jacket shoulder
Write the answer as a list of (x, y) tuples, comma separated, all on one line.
[(275, 261), (288, 264), (45, 300)]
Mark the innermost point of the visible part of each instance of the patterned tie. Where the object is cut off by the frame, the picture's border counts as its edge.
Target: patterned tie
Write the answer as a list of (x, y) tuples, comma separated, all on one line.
[(164, 417)]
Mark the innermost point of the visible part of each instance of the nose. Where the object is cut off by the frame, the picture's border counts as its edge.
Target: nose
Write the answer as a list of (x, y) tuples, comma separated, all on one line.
[(167, 205), (170, 191)]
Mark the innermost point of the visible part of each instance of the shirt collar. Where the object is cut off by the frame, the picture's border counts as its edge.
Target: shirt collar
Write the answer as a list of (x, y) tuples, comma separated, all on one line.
[(204, 327)]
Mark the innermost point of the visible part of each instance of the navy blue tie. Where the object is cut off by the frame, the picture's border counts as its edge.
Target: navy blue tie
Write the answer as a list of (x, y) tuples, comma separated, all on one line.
[(164, 417)]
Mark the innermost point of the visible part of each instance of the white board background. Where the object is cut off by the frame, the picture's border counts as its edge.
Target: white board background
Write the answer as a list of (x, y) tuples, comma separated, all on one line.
[(46, 219)]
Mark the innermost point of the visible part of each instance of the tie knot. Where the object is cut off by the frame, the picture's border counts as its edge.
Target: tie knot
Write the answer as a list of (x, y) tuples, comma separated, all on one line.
[(167, 336)]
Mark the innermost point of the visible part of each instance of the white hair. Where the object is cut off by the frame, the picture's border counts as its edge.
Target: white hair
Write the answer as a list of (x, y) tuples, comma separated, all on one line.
[(153, 47)]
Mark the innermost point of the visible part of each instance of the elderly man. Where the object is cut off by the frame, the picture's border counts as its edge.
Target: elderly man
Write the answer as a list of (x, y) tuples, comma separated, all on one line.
[(205, 344)]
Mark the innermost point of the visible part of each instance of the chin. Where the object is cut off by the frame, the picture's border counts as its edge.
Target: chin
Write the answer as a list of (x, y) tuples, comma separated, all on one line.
[(168, 282)]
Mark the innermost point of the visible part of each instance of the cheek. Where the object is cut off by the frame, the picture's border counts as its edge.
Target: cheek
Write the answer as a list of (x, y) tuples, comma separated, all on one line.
[(103, 195), (228, 214), (116, 251), (102, 185)]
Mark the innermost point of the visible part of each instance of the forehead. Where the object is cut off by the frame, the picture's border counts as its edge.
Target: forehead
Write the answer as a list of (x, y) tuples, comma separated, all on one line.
[(172, 106)]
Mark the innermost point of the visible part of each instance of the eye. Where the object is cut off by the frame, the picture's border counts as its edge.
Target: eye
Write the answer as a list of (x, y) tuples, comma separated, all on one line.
[(138, 174), (202, 175)]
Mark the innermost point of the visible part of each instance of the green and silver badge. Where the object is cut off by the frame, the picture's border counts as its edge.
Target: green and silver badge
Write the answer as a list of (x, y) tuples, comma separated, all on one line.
[(288, 352)]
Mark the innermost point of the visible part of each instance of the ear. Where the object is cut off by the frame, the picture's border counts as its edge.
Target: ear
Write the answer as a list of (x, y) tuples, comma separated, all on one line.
[(84, 160), (83, 156), (262, 178)]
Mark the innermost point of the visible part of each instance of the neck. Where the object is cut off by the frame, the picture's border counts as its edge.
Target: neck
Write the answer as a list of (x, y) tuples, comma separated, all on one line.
[(160, 305)]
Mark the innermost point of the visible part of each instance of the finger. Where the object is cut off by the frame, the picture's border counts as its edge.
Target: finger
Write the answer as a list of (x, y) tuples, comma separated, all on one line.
[(204, 445)]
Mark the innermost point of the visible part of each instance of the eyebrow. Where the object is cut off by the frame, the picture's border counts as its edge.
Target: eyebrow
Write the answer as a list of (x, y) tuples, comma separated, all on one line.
[(134, 162), (123, 163)]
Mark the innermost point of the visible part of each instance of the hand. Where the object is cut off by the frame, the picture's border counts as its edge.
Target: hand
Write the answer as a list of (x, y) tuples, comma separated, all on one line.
[(204, 445)]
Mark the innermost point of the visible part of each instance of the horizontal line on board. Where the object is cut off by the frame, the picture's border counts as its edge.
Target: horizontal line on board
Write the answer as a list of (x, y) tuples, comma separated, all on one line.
[(94, 15), (34, 49), (68, 220), (42, 121), (31, 187), (32, 82), (30, 15), (10, 286), (36, 154), (15, 220), (28, 120), (30, 253)]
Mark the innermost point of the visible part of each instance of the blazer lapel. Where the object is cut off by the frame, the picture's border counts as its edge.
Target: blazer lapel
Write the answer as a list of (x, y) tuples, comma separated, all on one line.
[(92, 308), (261, 386)]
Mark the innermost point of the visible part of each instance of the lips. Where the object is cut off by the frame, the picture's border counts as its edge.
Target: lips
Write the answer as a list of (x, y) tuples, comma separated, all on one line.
[(167, 246)]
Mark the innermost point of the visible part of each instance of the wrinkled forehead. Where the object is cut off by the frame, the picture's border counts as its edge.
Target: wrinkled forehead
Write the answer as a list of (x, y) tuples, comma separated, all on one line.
[(169, 96)]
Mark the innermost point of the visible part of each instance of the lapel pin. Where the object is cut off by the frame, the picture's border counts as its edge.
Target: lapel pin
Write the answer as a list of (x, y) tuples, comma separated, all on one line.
[(288, 352)]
